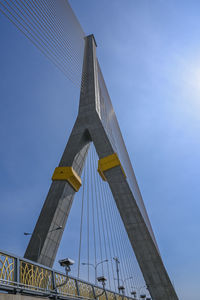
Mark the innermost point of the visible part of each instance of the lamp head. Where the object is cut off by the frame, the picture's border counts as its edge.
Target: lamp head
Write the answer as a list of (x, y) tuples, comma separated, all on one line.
[(66, 262), (101, 279), (133, 293)]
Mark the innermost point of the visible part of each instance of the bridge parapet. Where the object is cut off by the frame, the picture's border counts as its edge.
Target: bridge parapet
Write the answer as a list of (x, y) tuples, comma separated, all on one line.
[(19, 275)]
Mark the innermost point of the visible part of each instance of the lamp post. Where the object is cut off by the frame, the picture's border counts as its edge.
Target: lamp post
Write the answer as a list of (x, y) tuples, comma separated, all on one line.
[(66, 263), (39, 237), (134, 293), (121, 288), (128, 278), (102, 280), (117, 270), (95, 267)]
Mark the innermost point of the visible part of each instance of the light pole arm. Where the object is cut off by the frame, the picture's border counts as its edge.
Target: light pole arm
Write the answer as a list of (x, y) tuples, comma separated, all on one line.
[(101, 262), (88, 264)]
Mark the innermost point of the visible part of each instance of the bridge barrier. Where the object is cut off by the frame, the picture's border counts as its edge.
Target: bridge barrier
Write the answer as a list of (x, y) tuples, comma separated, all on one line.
[(20, 275)]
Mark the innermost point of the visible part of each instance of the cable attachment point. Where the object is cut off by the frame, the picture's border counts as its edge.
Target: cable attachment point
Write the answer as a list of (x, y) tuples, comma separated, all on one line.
[(68, 174), (107, 163)]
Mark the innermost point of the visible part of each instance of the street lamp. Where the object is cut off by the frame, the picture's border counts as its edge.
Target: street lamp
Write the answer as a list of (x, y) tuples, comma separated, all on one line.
[(134, 293), (117, 270), (39, 237), (103, 280), (95, 267), (131, 277), (67, 263), (121, 288)]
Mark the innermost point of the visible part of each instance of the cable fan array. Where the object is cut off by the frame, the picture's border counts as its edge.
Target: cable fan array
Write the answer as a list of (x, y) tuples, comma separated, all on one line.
[(53, 28), (101, 237)]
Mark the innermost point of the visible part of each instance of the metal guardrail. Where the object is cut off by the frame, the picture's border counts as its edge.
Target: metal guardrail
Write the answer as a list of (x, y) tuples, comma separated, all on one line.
[(21, 275)]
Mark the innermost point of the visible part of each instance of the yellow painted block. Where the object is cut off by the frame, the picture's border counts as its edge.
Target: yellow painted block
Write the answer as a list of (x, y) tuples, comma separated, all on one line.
[(68, 174), (107, 163)]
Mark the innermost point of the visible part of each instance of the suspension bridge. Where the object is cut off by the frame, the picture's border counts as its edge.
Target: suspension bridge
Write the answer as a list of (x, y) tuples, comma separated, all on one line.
[(117, 256)]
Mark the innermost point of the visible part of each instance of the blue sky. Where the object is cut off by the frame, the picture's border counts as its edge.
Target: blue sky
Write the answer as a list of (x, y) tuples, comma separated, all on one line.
[(149, 55)]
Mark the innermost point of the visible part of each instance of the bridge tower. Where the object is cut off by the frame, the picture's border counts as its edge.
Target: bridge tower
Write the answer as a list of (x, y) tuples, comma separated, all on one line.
[(96, 122)]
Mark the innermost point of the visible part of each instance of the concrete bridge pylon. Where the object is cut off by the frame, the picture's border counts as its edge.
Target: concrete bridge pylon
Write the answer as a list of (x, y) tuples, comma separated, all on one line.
[(96, 122)]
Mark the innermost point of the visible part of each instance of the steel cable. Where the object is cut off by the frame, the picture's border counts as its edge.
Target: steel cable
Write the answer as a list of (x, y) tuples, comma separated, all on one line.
[(58, 43), (102, 215), (88, 217), (19, 17), (98, 222), (81, 224), (38, 45), (113, 226), (119, 242), (106, 217), (121, 237), (62, 33), (58, 34), (36, 33), (109, 219), (92, 171)]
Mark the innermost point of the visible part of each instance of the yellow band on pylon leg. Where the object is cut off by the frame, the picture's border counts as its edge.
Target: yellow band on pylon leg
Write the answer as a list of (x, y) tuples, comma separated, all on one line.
[(107, 163), (68, 174)]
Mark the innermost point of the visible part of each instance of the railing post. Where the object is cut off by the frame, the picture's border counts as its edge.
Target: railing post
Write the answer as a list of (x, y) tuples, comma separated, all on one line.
[(16, 274), (106, 295), (17, 271), (54, 281), (93, 290), (77, 287)]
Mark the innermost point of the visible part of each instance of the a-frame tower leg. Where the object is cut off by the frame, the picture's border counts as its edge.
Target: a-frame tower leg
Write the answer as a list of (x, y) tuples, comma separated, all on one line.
[(44, 244), (89, 127)]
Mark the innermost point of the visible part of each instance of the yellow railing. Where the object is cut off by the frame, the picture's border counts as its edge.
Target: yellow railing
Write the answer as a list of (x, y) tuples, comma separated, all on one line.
[(85, 290), (35, 276), (99, 292), (22, 274), (69, 288), (7, 267), (111, 296)]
